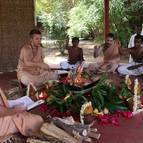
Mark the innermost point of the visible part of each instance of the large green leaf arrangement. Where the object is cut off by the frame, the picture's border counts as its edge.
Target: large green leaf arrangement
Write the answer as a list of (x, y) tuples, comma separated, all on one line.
[(102, 95), (63, 99)]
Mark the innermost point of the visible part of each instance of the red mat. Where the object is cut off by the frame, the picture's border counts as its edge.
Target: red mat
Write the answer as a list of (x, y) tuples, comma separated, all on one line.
[(5, 79), (129, 130)]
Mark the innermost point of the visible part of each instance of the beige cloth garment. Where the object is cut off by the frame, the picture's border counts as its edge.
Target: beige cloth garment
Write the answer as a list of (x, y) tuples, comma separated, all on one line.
[(28, 74), (111, 58), (108, 60), (19, 122)]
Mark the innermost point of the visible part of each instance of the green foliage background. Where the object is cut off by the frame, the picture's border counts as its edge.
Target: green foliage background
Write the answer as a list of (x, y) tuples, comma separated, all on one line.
[(81, 17)]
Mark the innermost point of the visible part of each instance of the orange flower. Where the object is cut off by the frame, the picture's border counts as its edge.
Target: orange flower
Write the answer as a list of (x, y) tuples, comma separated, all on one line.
[(88, 110)]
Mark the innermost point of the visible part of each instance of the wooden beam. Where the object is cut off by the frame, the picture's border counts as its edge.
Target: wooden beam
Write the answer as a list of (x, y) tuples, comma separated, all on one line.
[(106, 18)]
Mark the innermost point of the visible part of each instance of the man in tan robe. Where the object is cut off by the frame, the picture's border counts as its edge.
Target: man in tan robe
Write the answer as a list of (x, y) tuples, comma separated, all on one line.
[(31, 67), (110, 51), (14, 120)]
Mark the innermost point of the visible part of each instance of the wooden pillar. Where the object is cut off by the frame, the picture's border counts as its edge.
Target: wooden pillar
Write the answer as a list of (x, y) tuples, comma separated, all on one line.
[(106, 18)]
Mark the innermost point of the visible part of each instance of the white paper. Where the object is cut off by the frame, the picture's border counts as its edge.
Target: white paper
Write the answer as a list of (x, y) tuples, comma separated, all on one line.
[(35, 104), (25, 101), (62, 72)]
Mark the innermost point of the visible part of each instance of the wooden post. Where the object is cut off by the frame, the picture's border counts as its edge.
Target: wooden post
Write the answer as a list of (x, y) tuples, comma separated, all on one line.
[(106, 17)]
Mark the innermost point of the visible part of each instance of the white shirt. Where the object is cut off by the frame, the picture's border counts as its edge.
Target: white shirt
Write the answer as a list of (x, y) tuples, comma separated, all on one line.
[(131, 42)]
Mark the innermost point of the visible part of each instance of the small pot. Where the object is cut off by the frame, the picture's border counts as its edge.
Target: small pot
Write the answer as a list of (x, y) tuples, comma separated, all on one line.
[(88, 119)]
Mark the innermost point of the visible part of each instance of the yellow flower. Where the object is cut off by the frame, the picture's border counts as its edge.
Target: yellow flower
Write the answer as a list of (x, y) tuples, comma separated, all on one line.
[(109, 82), (67, 96), (105, 111), (95, 111), (128, 81), (100, 113), (88, 110), (49, 98)]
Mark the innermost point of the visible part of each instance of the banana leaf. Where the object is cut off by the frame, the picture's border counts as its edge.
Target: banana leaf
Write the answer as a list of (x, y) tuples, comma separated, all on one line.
[(101, 100), (112, 107)]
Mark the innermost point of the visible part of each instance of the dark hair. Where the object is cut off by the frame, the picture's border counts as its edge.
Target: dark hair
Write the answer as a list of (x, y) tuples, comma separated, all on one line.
[(138, 25), (34, 31), (75, 39), (138, 36), (111, 35)]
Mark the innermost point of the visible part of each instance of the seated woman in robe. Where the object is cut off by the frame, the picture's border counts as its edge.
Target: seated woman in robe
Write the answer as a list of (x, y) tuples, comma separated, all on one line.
[(31, 67), (16, 119), (111, 52), (75, 54), (136, 67)]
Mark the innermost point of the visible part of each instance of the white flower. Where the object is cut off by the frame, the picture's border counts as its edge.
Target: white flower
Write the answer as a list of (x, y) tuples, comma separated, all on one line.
[(135, 98), (84, 106)]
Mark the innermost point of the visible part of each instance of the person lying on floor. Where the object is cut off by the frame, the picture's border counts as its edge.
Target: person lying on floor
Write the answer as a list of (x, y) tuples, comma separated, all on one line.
[(31, 67), (17, 119), (111, 51), (136, 67), (75, 55)]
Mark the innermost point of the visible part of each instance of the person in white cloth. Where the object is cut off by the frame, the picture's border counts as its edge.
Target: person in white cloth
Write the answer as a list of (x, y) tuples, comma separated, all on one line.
[(137, 30), (75, 55), (136, 67)]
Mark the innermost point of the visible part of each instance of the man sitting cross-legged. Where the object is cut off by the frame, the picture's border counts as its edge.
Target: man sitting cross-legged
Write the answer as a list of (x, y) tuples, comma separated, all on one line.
[(17, 119), (75, 55), (135, 68), (111, 51), (31, 67)]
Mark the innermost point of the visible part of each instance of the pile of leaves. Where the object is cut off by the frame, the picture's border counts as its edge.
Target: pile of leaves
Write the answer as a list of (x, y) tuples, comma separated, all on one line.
[(103, 95), (63, 99), (106, 96)]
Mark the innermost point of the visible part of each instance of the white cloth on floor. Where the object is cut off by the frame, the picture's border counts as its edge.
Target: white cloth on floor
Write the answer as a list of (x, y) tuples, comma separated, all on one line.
[(123, 70), (65, 65)]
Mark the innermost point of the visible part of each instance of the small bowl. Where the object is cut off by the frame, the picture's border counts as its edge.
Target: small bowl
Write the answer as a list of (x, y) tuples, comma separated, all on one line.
[(88, 119)]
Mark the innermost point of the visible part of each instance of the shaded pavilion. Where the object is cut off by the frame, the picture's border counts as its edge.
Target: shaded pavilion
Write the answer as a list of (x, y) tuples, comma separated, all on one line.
[(16, 20)]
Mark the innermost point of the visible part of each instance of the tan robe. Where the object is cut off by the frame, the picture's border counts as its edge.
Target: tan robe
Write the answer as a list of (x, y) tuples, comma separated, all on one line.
[(111, 58), (33, 75), (106, 61), (20, 122)]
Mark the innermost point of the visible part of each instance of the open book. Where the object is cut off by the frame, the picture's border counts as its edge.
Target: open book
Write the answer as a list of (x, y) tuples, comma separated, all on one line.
[(25, 101)]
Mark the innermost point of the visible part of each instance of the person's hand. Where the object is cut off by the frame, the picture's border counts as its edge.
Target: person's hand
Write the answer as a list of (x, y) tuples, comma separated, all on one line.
[(45, 67), (98, 51), (19, 108)]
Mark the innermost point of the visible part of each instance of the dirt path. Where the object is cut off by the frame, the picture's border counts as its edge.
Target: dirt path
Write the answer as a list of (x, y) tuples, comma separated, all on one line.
[(52, 55)]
